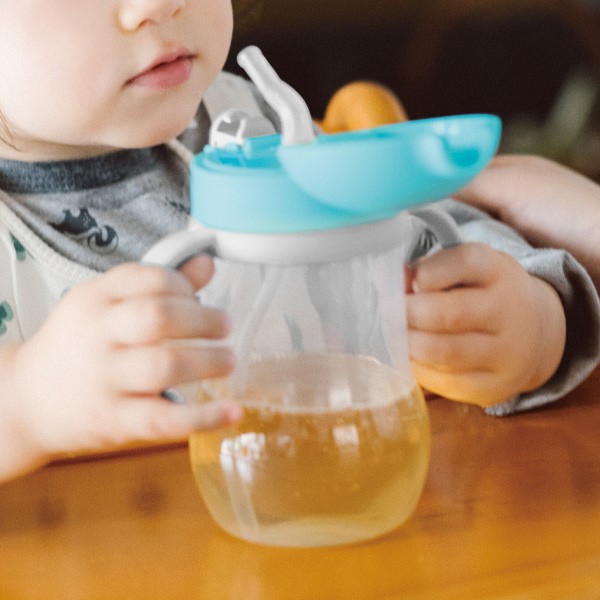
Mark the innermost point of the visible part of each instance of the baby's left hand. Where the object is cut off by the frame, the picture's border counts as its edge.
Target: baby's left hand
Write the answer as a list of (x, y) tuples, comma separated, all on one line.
[(481, 329)]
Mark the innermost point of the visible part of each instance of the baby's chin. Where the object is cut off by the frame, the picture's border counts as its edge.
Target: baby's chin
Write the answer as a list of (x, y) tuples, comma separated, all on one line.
[(153, 129), (155, 137)]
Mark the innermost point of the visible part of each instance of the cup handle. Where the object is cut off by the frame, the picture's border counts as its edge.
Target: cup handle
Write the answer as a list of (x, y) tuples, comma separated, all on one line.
[(173, 251), (442, 225), (177, 248)]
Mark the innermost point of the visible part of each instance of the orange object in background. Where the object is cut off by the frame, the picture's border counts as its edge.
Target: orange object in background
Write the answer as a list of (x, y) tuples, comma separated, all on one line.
[(361, 105)]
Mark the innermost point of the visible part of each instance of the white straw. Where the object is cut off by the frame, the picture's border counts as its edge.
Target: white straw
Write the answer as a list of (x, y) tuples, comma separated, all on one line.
[(250, 328), (296, 121)]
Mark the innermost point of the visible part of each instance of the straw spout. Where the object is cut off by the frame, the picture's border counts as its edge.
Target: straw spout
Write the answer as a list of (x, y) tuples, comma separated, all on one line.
[(296, 121)]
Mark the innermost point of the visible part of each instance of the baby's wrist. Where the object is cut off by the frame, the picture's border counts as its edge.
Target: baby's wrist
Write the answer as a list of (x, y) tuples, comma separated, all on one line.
[(552, 336), (19, 451)]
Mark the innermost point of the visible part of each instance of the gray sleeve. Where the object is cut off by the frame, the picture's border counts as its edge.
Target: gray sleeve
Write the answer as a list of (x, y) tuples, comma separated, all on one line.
[(575, 288)]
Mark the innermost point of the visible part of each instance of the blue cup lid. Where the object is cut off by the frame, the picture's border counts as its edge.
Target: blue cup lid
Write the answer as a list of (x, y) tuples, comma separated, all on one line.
[(339, 180)]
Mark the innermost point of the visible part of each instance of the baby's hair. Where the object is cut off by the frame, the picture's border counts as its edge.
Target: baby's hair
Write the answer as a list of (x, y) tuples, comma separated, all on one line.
[(246, 12)]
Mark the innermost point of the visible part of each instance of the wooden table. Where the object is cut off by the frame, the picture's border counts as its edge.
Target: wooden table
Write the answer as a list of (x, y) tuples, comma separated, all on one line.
[(511, 510)]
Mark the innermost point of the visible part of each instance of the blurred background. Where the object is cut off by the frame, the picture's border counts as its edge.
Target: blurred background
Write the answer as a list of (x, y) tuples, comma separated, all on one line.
[(535, 63)]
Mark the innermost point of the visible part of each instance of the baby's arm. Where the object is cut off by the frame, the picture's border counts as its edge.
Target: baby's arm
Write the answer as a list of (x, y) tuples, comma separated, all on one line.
[(91, 378), (551, 205), (481, 329)]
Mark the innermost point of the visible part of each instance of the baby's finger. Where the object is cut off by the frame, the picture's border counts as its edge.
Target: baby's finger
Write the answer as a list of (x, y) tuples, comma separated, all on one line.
[(452, 353), (458, 310), (135, 279), (462, 265), (149, 370), (198, 270), (150, 319), (155, 419)]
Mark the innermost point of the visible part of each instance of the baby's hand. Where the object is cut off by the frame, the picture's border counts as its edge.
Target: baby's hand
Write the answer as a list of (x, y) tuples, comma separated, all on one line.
[(481, 329), (91, 378)]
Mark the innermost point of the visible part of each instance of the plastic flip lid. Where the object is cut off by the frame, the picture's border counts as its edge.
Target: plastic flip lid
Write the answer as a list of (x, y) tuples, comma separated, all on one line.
[(298, 181)]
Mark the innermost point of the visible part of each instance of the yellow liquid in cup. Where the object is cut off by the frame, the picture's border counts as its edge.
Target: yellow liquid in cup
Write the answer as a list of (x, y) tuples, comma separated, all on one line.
[(293, 473)]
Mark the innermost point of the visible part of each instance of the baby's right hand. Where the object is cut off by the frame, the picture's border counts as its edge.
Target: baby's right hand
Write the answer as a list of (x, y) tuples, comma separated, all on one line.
[(91, 378)]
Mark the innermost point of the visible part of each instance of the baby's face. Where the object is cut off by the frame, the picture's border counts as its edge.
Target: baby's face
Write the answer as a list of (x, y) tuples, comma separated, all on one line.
[(84, 77)]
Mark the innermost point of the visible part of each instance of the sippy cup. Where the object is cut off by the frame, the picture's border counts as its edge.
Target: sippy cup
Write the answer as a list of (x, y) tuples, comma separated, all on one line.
[(310, 234)]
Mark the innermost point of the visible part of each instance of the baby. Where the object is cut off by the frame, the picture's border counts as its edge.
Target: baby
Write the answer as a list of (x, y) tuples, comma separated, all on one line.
[(91, 94)]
